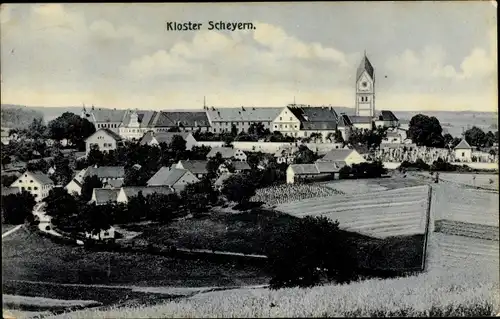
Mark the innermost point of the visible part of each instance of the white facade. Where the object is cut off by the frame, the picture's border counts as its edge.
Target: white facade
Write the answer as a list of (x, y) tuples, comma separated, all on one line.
[(463, 154), (32, 183), (101, 139), (363, 126), (74, 187), (286, 123), (103, 234)]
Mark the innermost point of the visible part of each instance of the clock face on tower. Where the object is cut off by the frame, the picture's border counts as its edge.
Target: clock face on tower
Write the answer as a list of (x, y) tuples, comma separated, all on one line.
[(364, 85)]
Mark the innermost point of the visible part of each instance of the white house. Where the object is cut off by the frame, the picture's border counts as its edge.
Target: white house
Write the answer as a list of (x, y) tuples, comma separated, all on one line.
[(393, 137), (228, 153), (112, 176), (104, 140), (103, 234), (126, 193), (197, 167), (156, 138), (349, 156), (175, 178), (463, 152), (286, 154), (237, 165), (320, 169), (36, 183)]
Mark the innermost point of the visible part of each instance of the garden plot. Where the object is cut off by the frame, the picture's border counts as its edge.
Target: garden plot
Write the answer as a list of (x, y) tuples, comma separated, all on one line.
[(488, 181), (450, 252), (280, 194), (360, 186), (455, 203), (379, 214)]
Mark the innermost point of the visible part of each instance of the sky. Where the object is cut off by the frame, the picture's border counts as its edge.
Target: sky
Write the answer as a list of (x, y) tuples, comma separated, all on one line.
[(426, 55)]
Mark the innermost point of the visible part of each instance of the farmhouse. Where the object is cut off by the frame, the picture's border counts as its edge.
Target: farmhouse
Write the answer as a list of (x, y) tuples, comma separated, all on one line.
[(102, 196), (176, 178), (386, 119), (104, 140), (197, 167), (126, 193), (286, 154), (102, 235), (155, 139), (222, 119), (463, 152), (317, 171), (228, 153), (349, 156), (111, 176), (237, 165), (36, 183)]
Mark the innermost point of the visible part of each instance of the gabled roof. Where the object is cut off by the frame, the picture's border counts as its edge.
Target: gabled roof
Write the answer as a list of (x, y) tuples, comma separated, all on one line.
[(115, 183), (186, 118), (241, 166), (226, 152), (360, 119), (387, 116), (144, 117), (329, 167), (344, 121), (365, 65), (162, 137), (10, 190), (315, 118), (105, 195), (105, 172), (195, 166), (286, 150), (243, 114), (360, 148), (114, 135), (304, 169), (463, 145), (108, 115), (336, 155), (41, 177), (166, 176), (131, 191)]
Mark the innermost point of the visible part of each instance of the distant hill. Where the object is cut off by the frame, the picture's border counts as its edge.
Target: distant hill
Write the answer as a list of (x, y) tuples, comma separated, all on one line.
[(452, 122), (18, 117)]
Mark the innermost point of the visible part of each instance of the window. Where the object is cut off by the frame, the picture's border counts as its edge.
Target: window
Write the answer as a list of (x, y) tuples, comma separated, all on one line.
[(276, 126), (106, 233), (29, 188), (35, 188), (281, 126), (22, 188), (36, 195), (31, 181), (281, 118), (290, 119), (463, 153), (25, 175), (295, 126), (20, 181), (286, 126)]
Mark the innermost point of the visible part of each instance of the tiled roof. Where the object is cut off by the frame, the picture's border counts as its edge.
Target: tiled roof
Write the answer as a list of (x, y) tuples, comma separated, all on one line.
[(115, 183), (336, 155), (41, 178), (393, 134), (463, 145), (329, 167), (144, 117), (304, 169), (106, 172), (226, 152), (243, 114), (344, 121), (189, 119), (286, 150), (162, 137), (241, 166), (361, 149), (108, 115), (105, 195), (195, 166), (166, 176), (365, 65), (387, 116), (114, 135), (132, 191), (360, 119), (315, 118), (10, 190)]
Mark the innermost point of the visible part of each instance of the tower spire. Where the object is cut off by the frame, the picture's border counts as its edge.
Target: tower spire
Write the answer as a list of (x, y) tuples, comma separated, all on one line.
[(204, 103)]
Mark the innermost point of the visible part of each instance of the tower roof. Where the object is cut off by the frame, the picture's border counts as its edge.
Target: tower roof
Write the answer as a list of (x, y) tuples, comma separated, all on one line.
[(365, 65)]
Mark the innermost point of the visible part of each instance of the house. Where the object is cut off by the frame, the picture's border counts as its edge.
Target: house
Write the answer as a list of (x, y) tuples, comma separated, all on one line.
[(197, 167), (102, 118), (362, 149), (183, 120), (136, 123), (286, 154), (349, 156), (361, 122), (102, 196), (102, 235), (222, 119), (463, 152), (393, 137), (345, 126), (404, 124), (36, 183), (219, 183), (228, 153), (175, 178), (110, 176), (6, 138), (104, 140), (317, 171), (126, 193), (237, 165), (155, 139), (304, 120), (386, 119)]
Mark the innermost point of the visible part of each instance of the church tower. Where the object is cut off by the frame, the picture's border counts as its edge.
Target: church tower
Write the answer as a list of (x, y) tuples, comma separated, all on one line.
[(365, 89)]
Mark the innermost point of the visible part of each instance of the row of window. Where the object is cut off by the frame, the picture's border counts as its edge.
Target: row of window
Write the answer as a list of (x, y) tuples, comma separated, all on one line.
[(364, 98), (285, 125), (29, 188), (107, 125), (281, 119), (239, 123)]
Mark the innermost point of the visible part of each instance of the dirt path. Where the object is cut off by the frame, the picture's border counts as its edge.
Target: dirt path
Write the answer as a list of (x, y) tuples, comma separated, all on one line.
[(7, 233)]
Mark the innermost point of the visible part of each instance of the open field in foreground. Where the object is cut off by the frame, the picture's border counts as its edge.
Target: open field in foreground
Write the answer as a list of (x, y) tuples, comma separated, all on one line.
[(454, 293), (455, 203), (29, 256), (380, 214), (369, 185), (275, 195), (488, 181)]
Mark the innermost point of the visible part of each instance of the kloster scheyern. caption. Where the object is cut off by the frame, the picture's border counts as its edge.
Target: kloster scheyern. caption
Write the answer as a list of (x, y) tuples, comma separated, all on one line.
[(211, 25)]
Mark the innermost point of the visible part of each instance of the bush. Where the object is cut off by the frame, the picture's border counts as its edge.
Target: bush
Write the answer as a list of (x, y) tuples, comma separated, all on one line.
[(419, 164), (309, 251), (363, 170), (442, 166)]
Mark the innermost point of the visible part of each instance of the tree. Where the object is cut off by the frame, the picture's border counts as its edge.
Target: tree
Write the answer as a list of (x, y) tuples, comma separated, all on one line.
[(37, 129), (173, 129), (475, 137), (257, 129), (239, 188), (304, 156), (426, 131), (198, 197), (7, 180), (213, 165), (163, 208), (95, 157), (63, 173), (72, 127), (40, 165), (5, 160), (136, 177), (137, 208), (228, 140), (178, 144), (88, 185), (335, 137), (95, 219), (308, 251), (64, 209), (17, 208), (316, 136), (448, 139), (199, 152)]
